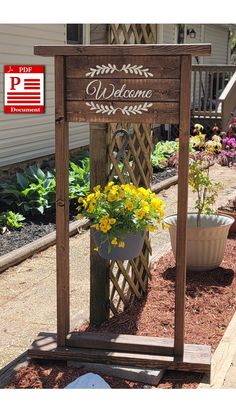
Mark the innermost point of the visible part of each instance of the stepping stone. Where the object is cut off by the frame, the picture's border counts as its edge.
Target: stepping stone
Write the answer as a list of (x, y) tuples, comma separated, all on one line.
[(88, 381), (147, 376)]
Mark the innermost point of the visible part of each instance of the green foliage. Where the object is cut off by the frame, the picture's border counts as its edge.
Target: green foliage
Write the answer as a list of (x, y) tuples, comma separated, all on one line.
[(34, 192), (31, 193), (163, 151), (79, 178), (11, 220), (206, 189)]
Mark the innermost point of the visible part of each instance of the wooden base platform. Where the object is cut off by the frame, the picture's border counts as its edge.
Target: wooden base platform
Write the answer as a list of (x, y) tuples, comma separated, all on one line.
[(123, 350)]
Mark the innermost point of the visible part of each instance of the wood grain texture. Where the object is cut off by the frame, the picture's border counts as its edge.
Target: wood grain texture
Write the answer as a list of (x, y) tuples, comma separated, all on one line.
[(62, 203), (159, 112), (165, 90), (196, 358), (165, 67), (122, 343), (180, 285), (99, 267), (180, 49)]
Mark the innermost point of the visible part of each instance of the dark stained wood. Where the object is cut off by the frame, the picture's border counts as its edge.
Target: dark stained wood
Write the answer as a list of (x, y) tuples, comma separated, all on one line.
[(181, 239), (165, 90), (158, 112), (196, 358), (164, 67), (62, 203), (99, 267), (182, 49), (121, 343)]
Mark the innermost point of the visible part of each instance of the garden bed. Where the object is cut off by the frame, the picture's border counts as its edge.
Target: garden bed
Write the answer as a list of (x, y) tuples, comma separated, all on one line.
[(41, 226), (210, 305)]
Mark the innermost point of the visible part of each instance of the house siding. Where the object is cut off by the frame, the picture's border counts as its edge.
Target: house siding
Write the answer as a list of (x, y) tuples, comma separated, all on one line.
[(26, 137), (217, 35), (169, 34)]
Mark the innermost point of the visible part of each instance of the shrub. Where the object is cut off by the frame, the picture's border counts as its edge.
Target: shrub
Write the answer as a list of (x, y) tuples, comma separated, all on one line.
[(11, 221), (163, 151), (31, 193)]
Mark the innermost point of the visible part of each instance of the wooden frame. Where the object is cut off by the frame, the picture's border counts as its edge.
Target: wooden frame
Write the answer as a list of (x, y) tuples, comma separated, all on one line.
[(160, 81)]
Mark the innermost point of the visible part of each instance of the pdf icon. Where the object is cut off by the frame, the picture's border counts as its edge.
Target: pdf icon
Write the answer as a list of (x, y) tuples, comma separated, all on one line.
[(24, 89)]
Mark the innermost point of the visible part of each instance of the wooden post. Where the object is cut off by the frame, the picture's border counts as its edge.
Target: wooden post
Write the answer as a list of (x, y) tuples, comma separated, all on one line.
[(99, 267), (184, 125), (62, 204)]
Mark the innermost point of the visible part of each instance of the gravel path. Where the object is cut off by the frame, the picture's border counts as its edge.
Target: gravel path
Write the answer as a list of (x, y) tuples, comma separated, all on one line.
[(28, 293)]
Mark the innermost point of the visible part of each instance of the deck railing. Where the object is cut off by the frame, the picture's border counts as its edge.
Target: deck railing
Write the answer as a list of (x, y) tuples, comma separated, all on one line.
[(208, 83), (227, 101)]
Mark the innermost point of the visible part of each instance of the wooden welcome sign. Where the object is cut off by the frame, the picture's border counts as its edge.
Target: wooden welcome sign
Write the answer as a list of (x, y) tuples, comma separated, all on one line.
[(126, 83), (127, 89)]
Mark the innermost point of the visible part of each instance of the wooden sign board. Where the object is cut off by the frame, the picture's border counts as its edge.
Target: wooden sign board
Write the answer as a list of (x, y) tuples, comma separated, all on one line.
[(128, 89), (122, 83)]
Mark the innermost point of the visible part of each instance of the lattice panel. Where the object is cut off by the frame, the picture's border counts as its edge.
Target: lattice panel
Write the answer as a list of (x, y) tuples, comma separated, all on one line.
[(133, 33), (128, 280)]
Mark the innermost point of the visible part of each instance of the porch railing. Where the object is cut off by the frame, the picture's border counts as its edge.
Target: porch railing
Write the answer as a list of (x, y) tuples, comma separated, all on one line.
[(227, 101), (208, 83)]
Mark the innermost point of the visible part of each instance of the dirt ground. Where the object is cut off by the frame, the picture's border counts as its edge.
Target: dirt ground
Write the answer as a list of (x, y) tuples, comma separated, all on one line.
[(210, 305), (28, 291)]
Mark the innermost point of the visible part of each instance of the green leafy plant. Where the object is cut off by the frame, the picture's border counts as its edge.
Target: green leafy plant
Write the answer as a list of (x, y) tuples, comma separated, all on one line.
[(31, 192), (206, 189), (11, 221), (79, 174), (34, 192), (163, 151)]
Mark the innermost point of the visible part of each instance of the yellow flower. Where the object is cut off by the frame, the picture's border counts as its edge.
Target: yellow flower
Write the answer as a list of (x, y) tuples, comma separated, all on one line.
[(151, 228), (112, 197), (91, 207), (140, 213), (97, 188), (156, 204), (114, 241), (79, 216), (121, 244), (105, 228), (112, 221), (143, 193), (108, 186), (129, 205)]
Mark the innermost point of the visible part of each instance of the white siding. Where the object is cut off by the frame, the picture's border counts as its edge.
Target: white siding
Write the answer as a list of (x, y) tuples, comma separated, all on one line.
[(217, 35), (24, 137), (169, 34)]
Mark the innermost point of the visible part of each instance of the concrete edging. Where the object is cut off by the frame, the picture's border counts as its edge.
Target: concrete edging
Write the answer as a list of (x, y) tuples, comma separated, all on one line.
[(221, 359), (16, 256)]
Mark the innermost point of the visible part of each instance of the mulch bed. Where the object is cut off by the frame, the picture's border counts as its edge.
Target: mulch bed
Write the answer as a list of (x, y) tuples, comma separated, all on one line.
[(210, 305), (41, 226)]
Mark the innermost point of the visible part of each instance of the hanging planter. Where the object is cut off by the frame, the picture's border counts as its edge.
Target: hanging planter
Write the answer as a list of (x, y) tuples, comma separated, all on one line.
[(120, 215), (130, 248)]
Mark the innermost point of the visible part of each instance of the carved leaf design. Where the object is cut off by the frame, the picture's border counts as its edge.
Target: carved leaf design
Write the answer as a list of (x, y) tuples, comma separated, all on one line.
[(109, 68)]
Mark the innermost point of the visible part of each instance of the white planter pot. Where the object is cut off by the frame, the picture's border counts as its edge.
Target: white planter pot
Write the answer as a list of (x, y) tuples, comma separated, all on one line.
[(205, 244)]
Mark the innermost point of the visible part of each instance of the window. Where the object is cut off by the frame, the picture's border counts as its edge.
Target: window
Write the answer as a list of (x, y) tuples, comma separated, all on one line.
[(74, 33)]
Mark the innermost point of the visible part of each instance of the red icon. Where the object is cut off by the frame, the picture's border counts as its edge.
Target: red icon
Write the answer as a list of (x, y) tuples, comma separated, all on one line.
[(24, 89)]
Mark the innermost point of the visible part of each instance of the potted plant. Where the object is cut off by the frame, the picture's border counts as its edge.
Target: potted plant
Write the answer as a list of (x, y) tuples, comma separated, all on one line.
[(120, 215), (206, 232), (229, 209)]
